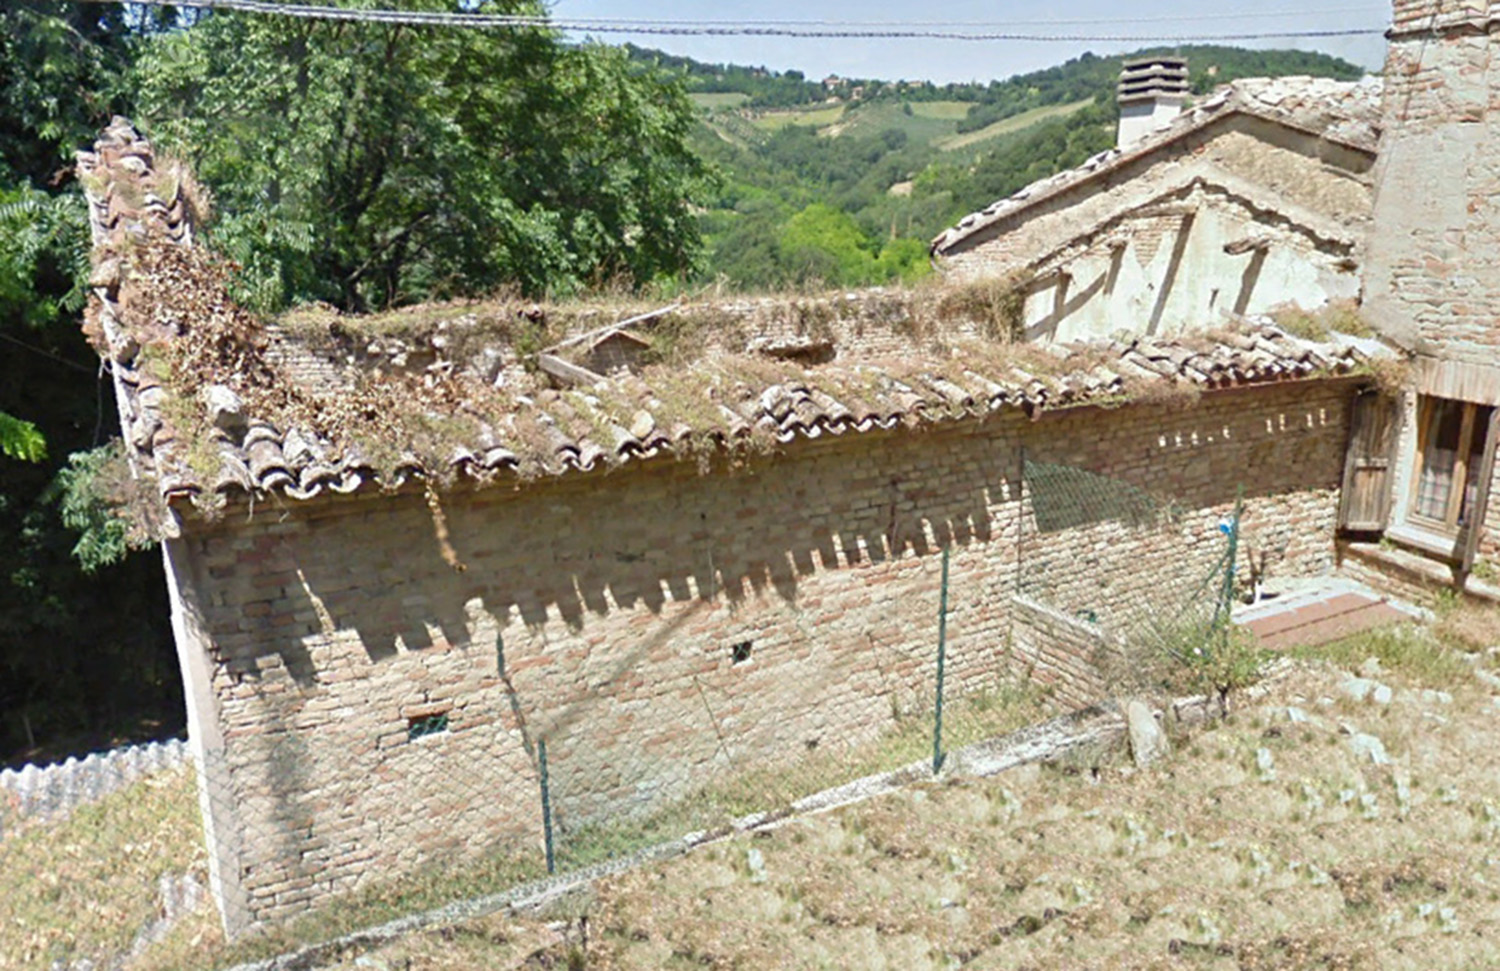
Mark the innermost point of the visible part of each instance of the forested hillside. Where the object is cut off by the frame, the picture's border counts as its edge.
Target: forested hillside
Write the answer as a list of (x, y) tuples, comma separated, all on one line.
[(844, 184), (371, 165)]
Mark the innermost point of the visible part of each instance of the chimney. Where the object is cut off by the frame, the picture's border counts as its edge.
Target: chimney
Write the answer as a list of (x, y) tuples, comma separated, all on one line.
[(1151, 93)]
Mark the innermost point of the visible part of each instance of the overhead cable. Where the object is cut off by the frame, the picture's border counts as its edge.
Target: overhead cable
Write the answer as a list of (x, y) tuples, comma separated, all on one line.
[(815, 30)]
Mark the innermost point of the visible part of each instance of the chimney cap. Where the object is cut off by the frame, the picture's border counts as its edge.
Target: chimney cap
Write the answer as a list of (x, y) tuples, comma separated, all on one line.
[(1149, 78), (1164, 60)]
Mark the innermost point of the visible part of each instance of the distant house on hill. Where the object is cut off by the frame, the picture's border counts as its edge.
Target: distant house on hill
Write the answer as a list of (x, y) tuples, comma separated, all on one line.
[(1258, 195)]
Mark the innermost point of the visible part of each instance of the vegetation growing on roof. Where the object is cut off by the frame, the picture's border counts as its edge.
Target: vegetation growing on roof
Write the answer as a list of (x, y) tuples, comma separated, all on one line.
[(1338, 316), (999, 302)]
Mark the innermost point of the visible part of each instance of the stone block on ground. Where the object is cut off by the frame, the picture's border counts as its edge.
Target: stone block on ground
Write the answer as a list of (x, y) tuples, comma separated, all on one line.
[(1147, 740)]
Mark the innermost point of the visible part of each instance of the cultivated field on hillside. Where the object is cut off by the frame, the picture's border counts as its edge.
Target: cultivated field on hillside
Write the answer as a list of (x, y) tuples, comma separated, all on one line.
[(1010, 126)]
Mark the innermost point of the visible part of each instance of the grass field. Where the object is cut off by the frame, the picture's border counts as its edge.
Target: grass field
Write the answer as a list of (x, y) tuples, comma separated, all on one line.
[(718, 99), (930, 122), (1266, 841), (1010, 125), (927, 123), (86, 888), (816, 117)]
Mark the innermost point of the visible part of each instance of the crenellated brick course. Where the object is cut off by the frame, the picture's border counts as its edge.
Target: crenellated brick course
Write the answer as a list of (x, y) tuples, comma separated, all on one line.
[(596, 624)]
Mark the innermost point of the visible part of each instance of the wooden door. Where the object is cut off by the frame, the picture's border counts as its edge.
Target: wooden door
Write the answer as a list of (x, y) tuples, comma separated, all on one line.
[(1365, 503), (1484, 474)]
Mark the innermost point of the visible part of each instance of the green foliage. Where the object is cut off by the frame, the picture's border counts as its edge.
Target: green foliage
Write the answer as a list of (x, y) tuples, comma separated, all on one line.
[(371, 164), (765, 89), (84, 660), (1091, 76), (43, 257), (21, 440), (778, 164), (56, 62), (92, 491)]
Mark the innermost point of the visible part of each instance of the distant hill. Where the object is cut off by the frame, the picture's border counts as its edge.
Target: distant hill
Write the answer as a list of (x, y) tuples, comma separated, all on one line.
[(842, 183)]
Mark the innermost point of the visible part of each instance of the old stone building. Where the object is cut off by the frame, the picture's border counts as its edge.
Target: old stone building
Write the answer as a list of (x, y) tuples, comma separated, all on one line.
[(1424, 472), (1257, 196), (399, 563)]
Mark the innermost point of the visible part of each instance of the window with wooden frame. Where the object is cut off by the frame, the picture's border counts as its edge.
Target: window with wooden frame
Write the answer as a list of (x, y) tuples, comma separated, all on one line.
[(1450, 453)]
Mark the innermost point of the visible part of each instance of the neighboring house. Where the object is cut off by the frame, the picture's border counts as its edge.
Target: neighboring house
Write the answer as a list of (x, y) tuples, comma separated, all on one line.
[(392, 572), (1257, 196), (1433, 287)]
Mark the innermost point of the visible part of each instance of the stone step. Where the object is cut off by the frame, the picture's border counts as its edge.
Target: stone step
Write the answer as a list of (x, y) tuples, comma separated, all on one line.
[(1408, 567)]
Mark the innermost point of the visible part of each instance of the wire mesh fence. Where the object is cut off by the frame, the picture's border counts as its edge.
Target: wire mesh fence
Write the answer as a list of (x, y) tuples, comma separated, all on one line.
[(757, 708), (489, 796), (742, 742), (1152, 579)]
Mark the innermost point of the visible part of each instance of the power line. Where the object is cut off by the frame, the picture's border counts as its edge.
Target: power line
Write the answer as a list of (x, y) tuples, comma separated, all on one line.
[(45, 353), (988, 24), (809, 29)]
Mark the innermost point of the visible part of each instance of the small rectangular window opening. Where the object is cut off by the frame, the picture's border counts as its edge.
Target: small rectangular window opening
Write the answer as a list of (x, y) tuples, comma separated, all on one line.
[(426, 725), (740, 653)]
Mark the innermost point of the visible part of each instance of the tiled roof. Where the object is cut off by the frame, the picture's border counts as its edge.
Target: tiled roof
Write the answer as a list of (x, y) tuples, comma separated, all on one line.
[(526, 430), (797, 403), (1341, 111)]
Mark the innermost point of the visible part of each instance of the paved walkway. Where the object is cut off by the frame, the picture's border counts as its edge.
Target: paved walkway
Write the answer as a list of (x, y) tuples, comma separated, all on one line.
[(1320, 611)]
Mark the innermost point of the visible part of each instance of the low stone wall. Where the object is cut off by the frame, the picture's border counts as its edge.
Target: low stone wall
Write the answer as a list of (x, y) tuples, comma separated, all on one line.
[(52, 791), (1059, 652)]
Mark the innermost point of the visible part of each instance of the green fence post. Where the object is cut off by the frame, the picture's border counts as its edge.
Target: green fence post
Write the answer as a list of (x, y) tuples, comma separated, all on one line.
[(937, 727), (541, 757), (1225, 609)]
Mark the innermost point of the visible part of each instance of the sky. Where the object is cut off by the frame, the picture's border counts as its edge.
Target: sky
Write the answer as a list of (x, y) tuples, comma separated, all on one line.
[(944, 60)]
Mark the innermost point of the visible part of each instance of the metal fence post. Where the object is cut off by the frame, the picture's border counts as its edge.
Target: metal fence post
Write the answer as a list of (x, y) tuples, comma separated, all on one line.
[(937, 727), (1225, 607), (541, 757)]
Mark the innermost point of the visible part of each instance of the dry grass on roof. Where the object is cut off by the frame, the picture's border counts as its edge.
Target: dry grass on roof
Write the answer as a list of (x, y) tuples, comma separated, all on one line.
[(700, 392)]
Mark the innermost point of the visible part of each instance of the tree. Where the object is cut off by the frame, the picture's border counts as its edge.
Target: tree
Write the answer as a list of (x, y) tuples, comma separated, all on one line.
[(371, 164), (84, 660)]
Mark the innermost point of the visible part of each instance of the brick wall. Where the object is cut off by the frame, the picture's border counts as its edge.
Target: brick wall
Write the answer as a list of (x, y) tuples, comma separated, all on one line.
[(600, 612), (1058, 651), (1434, 256)]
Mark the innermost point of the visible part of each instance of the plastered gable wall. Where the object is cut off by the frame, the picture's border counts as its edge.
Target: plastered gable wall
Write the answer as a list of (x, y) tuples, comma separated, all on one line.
[(1166, 267), (1122, 219), (599, 613)]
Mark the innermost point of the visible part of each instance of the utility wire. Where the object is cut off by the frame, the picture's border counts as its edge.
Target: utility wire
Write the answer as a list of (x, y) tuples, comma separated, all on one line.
[(45, 353), (437, 18), (989, 24)]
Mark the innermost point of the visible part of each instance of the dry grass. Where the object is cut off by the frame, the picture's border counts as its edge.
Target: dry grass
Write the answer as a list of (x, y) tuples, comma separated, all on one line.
[(1263, 843), (83, 889), (998, 304), (1338, 316)]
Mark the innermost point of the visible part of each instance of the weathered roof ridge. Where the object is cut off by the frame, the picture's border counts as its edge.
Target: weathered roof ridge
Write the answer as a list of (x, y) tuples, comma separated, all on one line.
[(216, 415), (1346, 112), (133, 202)]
